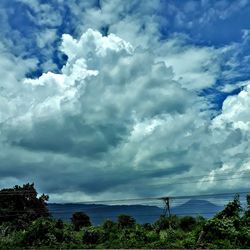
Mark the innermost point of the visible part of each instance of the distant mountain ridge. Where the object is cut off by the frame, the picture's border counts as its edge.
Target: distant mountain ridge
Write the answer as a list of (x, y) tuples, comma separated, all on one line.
[(142, 213)]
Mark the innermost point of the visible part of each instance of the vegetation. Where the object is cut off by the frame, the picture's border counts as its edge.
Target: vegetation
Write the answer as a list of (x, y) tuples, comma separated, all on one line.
[(80, 220), (34, 228), (19, 205)]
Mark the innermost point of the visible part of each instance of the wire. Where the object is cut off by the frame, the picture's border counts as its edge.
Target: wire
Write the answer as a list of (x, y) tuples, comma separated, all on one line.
[(89, 209), (115, 216), (97, 210), (5, 191), (158, 198), (173, 198), (153, 184), (153, 198)]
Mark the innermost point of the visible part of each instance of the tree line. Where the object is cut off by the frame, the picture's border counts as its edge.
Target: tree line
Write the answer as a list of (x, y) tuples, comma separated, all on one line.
[(25, 222)]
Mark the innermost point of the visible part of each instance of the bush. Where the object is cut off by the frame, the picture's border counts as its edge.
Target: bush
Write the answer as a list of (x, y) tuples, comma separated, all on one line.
[(59, 224), (132, 237), (147, 227), (219, 229), (152, 236), (10, 239), (79, 220), (164, 223), (93, 235), (24, 200), (232, 209), (42, 232), (109, 226), (228, 229), (187, 223), (125, 221)]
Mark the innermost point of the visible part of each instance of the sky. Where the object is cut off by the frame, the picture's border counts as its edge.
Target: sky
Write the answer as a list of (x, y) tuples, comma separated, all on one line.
[(122, 99)]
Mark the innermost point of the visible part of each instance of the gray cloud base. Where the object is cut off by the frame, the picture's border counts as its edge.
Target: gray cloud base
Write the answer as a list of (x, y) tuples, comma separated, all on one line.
[(122, 118)]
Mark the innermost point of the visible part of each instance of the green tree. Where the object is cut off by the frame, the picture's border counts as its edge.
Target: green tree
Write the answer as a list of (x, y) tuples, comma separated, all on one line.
[(109, 225), (247, 213), (93, 235), (226, 229), (43, 231), (165, 222), (125, 221), (232, 209), (79, 220), (187, 223), (20, 205)]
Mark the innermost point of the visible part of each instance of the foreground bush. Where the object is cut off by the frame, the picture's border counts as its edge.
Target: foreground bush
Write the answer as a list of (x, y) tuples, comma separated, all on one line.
[(230, 228), (80, 220), (43, 232), (125, 221)]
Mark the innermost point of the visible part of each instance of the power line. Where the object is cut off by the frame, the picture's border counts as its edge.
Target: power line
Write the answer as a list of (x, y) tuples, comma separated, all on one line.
[(153, 198), (111, 216), (208, 179), (157, 198), (14, 192), (87, 210), (174, 200), (23, 192)]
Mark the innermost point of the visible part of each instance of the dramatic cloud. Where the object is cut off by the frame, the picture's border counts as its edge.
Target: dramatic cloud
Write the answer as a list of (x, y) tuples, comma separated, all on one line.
[(125, 111)]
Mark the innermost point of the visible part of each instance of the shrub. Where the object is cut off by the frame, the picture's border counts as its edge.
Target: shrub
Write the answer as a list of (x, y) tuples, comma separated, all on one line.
[(125, 221), (24, 200), (232, 209), (93, 235), (59, 224), (109, 226), (42, 232), (164, 223), (187, 223), (152, 236), (219, 229), (147, 226), (79, 220)]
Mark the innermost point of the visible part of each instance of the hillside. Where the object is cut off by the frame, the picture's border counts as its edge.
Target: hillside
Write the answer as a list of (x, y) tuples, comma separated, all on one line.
[(142, 213)]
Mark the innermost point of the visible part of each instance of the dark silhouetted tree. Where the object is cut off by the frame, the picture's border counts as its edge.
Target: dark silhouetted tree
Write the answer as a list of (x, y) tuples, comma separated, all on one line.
[(79, 220), (125, 221), (187, 223), (232, 209), (21, 205)]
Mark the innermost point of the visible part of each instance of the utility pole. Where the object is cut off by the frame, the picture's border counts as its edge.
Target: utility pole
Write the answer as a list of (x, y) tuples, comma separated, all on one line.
[(167, 211), (166, 201)]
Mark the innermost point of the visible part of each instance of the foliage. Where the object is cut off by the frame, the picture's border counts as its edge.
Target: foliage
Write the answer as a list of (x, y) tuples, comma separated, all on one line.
[(93, 235), (110, 226), (42, 232), (79, 220), (230, 228), (187, 223), (232, 209), (247, 212), (125, 221), (20, 205), (165, 222), (162, 223)]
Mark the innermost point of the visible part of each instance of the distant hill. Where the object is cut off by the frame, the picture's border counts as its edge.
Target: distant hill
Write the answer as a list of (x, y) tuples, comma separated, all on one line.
[(197, 207), (142, 213)]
